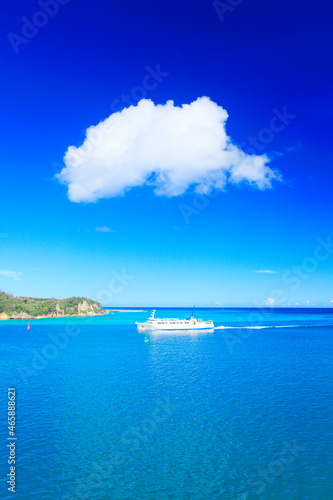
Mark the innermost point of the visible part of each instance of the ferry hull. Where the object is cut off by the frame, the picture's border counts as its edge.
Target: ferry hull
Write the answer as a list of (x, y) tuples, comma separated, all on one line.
[(198, 326)]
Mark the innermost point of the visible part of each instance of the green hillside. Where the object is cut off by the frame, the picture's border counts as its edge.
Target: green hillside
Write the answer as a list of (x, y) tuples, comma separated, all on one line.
[(22, 306)]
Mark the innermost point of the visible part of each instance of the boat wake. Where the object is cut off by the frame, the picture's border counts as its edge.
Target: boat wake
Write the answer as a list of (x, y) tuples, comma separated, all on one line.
[(262, 327)]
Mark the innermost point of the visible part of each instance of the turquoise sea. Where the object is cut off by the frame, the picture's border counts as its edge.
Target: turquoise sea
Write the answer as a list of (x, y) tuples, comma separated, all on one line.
[(243, 412)]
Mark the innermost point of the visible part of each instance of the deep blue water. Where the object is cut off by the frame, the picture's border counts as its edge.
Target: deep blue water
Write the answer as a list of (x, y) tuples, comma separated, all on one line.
[(238, 413)]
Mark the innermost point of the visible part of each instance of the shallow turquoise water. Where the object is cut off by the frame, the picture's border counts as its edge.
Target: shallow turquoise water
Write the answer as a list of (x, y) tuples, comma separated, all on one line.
[(238, 413)]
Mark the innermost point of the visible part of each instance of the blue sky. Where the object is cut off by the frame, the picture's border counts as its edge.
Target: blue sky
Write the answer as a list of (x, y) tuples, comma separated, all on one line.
[(257, 60)]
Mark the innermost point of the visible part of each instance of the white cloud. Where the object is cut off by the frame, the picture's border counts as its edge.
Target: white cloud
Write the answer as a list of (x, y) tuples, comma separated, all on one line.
[(266, 271), (308, 302), (104, 229), (270, 302), (11, 274), (165, 146), (331, 300)]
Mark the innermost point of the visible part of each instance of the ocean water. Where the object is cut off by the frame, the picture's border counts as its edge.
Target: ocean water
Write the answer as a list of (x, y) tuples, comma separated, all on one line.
[(243, 412)]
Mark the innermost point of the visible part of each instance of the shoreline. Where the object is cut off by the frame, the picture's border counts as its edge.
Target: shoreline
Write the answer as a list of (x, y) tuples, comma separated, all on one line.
[(56, 317)]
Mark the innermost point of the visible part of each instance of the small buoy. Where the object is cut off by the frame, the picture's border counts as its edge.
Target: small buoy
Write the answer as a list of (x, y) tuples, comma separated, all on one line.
[(28, 327), (146, 339)]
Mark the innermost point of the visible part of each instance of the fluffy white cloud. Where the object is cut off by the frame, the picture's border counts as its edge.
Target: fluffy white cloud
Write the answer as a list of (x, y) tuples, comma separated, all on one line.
[(11, 274), (270, 302), (265, 271), (168, 147)]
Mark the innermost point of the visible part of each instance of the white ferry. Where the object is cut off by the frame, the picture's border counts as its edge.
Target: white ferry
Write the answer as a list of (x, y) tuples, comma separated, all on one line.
[(190, 323)]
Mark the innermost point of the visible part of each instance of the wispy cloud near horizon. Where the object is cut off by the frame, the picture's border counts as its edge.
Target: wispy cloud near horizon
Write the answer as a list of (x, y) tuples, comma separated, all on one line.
[(104, 229), (11, 274), (265, 271), (168, 147)]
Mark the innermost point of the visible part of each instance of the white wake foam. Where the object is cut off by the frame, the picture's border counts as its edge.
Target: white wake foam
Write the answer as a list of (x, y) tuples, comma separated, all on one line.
[(261, 327)]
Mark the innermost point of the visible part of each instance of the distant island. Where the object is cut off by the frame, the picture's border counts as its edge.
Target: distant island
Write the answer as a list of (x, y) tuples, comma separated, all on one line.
[(12, 307)]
